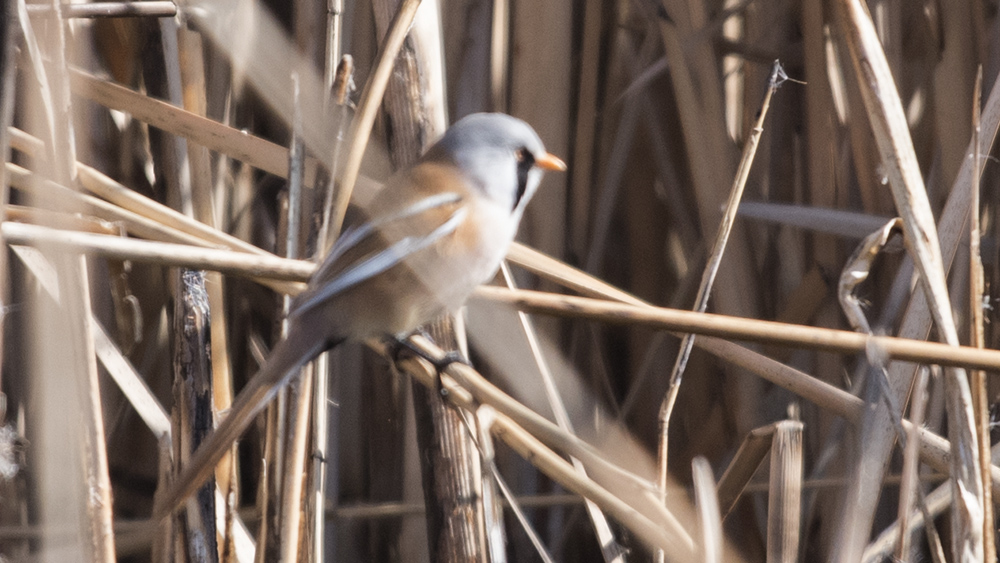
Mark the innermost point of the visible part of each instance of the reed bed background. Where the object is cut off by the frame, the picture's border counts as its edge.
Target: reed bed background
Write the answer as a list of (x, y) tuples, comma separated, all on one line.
[(173, 172)]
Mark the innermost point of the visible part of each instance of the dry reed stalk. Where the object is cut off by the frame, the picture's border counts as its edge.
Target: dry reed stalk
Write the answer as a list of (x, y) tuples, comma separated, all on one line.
[(862, 495), (856, 271), (192, 409), (162, 550), (60, 220), (526, 445), (293, 487), (121, 371), (57, 196), (849, 225), (784, 503), (980, 398), (413, 108), (886, 117), (707, 506), (166, 254), (741, 329), (537, 87), (711, 159), (910, 479), (49, 95), (938, 501), (741, 469), (287, 422), (268, 539), (320, 444), (712, 268), (341, 87), (74, 292), (7, 89), (133, 386), (610, 549), (148, 8), (262, 154), (205, 212), (499, 79), (607, 201), (496, 536), (193, 412), (820, 122), (76, 357), (584, 160)]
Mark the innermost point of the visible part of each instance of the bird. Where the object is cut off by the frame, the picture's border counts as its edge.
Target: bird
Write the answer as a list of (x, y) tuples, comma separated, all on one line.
[(434, 232)]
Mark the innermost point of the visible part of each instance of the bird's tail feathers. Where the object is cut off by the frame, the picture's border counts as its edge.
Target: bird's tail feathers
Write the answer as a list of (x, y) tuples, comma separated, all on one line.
[(283, 363)]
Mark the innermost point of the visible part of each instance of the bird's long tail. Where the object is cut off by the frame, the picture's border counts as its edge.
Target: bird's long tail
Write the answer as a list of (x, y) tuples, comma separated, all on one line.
[(284, 362)]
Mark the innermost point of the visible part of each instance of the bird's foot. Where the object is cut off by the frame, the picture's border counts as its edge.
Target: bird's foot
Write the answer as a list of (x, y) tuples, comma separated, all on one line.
[(402, 346)]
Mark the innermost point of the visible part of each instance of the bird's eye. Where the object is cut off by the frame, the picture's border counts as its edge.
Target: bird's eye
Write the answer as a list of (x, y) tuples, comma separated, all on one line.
[(525, 162)]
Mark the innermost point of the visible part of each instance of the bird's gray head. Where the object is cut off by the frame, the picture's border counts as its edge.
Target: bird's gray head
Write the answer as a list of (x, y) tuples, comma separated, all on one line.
[(501, 155)]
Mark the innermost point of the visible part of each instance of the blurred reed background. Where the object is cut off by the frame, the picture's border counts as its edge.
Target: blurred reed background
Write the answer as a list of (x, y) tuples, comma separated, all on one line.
[(216, 126)]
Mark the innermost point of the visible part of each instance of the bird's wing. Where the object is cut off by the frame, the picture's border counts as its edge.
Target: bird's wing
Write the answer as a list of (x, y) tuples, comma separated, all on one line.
[(379, 244)]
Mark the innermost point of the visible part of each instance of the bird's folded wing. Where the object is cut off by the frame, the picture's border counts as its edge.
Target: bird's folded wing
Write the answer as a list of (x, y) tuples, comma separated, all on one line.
[(369, 249)]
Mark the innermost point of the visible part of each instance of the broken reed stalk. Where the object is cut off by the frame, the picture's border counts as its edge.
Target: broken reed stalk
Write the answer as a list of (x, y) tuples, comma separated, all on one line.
[(742, 467), (888, 122), (333, 60), (192, 407), (371, 99), (784, 501), (204, 211), (342, 81), (710, 271)]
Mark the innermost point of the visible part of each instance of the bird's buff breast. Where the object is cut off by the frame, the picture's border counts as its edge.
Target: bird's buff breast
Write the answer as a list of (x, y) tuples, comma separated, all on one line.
[(468, 257)]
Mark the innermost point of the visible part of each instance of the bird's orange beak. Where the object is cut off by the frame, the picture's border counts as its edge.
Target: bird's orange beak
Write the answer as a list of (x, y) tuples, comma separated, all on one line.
[(550, 162)]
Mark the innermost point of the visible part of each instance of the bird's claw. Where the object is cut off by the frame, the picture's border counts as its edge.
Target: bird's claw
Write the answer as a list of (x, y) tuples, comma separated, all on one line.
[(400, 346)]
